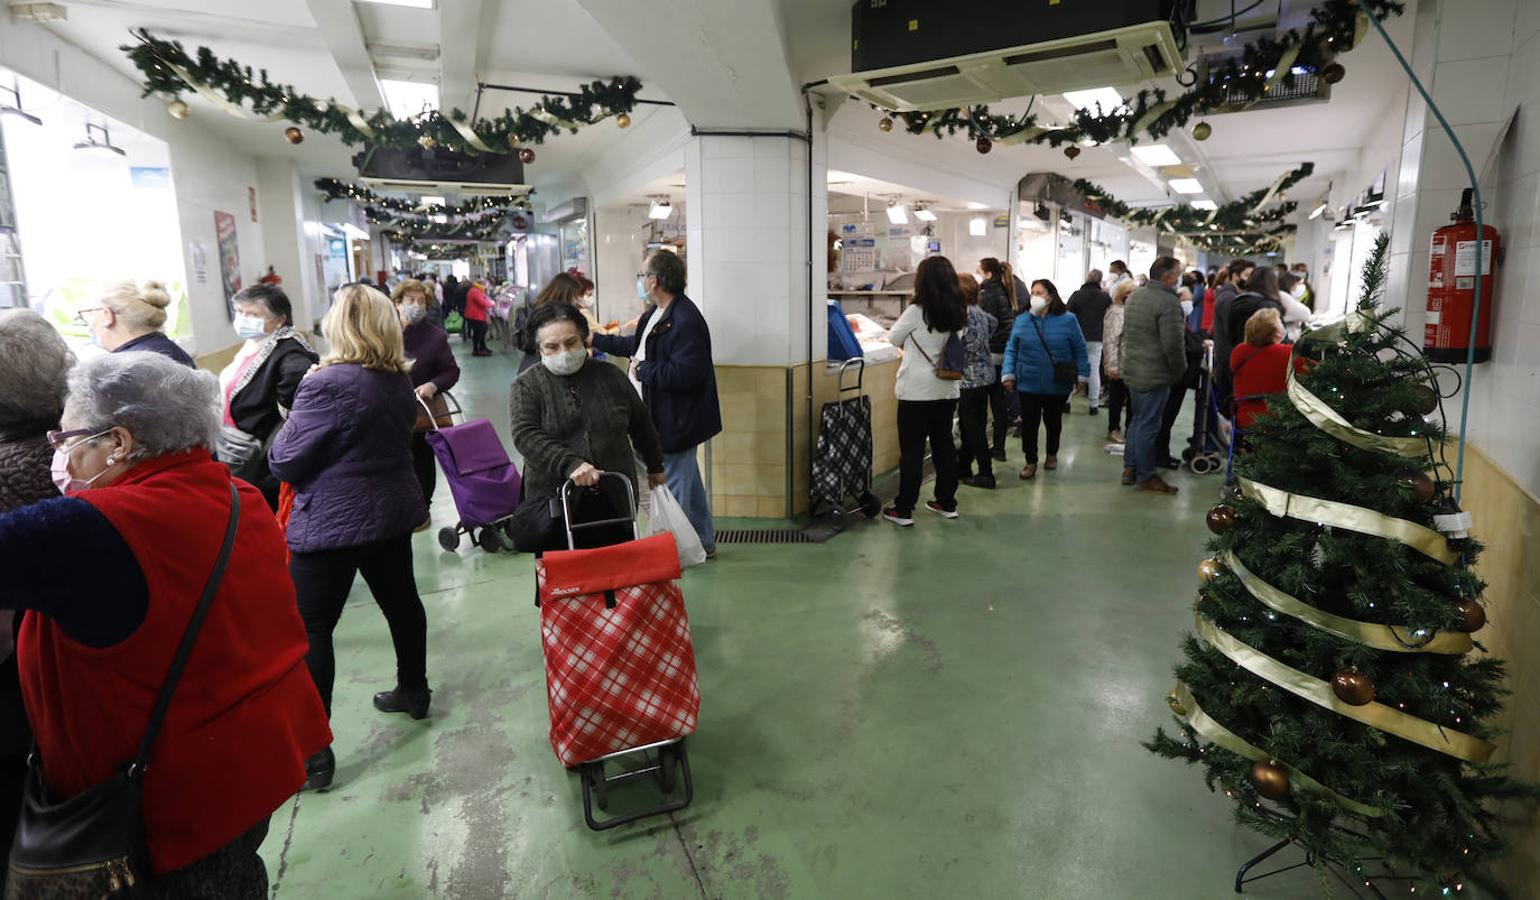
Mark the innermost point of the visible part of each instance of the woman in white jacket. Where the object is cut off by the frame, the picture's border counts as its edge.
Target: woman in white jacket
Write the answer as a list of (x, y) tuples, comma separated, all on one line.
[(1295, 312), (927, 403)]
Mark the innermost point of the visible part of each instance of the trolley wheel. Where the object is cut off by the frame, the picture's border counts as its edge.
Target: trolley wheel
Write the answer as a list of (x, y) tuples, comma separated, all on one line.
[(1187, 454), (837, 515), (449, 538), (871, 505), (593, 773), (490, 539), (1201, 465), (667, 774)]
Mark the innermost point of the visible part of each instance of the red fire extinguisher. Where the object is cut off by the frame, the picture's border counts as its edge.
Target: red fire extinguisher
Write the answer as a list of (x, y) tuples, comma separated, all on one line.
[(1452, 288)]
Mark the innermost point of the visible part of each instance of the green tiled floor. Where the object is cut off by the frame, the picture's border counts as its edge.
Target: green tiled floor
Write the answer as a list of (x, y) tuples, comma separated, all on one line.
[(948, 711)]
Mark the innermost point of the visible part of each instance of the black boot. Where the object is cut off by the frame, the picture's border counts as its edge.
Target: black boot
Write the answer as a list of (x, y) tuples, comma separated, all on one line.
[(319, 770), (412, 701)]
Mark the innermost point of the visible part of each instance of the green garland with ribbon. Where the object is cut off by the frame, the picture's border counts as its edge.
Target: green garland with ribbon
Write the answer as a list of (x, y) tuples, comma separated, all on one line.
[(169, 71), (1334, 28), (336, 189), (1243, 216)]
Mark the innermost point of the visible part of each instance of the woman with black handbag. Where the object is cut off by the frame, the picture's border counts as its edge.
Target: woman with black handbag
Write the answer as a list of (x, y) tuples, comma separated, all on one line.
[(153, 552), (1044, 358)]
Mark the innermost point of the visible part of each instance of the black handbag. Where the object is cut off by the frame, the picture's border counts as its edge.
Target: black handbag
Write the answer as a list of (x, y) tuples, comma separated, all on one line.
[(92, 845), (1063, 372)]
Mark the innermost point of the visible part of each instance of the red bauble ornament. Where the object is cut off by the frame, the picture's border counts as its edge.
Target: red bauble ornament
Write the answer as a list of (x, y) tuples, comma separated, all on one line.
[(526, 155), (293, 135), (1221, 519), (1071, 151), (1353, 687), (1422, 487), (983, 145), (1270, 779), (1333, 73), (1472, 615)]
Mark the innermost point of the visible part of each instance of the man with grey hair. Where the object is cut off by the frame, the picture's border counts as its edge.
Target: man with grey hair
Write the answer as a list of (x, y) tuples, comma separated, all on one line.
[(1154, 357)]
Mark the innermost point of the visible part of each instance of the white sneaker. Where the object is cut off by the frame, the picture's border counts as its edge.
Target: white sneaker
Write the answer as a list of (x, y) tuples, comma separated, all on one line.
[(935, 507), (901, 521)]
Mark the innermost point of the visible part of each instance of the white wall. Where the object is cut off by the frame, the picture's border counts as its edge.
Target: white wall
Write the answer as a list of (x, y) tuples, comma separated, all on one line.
[(208, 174), (620, 234)]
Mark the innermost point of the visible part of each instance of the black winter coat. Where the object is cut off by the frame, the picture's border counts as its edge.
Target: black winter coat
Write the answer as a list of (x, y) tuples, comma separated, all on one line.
[(992, 299), (679, 381), (1089, 304), (24, 480), (255, 406)]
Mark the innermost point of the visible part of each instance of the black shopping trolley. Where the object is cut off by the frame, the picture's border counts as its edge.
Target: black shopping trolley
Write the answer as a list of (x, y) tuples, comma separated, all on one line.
[(842, 462)]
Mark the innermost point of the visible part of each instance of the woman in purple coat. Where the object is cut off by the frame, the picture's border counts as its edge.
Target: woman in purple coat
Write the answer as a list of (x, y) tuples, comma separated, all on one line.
[(346, 449), (433, 369)]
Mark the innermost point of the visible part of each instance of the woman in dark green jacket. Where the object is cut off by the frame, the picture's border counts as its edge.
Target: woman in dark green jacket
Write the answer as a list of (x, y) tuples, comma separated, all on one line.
[(574, 418)]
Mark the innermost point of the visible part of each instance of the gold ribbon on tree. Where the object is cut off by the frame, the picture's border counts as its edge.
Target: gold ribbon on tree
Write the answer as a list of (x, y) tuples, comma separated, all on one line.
[(1283, 504), (1459, 745), (1285, 63), (1393, 638), (354, 116), (1322, 416), (1220, 736)]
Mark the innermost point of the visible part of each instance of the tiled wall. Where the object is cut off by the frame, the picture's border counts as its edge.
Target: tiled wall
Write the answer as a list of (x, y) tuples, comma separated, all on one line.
[(749, 458)]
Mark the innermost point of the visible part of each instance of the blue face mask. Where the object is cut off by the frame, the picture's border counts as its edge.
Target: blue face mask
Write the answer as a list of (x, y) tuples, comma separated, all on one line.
[(249, 327), (641, 288)]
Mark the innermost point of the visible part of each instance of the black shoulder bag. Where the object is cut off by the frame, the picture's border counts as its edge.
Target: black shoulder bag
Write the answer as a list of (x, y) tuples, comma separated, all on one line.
[(92, 845), (1063, 372)]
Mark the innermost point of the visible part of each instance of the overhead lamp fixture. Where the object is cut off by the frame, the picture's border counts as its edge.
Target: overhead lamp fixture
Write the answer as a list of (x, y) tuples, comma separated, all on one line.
[(978, 226), (660, 208), (1107, 98), (91, 143), (1205, 204), (1185, 185), (923, 214), (408, 99), (1156, 155), (411, 4), (14, 108), (897, 214)]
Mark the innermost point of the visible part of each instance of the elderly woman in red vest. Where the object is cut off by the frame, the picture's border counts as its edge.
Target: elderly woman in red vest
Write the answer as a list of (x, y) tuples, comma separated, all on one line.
[(109, 576)]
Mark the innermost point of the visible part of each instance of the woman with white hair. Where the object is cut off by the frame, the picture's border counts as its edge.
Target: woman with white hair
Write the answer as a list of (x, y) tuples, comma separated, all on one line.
[(112, 576), (129, 316), (34, 361), (346, 448)]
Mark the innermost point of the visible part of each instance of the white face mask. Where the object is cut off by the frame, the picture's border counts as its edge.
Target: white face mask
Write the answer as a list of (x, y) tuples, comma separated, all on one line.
[(1186, 307), (1039, 303), (413, 312), (566, 362), (1298, 290), (249, 327)]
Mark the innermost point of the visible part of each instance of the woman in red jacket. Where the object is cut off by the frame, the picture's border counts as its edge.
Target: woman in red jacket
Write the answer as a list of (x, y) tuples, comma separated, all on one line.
[(477, 308), (1260, 366), (109, 576)]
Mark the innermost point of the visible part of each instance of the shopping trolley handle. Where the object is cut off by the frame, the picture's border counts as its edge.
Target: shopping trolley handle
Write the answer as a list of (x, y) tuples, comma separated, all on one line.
[(859, 363), (566, 508)]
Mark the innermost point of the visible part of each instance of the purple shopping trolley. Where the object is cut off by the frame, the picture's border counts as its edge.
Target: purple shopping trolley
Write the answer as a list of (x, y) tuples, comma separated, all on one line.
[(482, 479)]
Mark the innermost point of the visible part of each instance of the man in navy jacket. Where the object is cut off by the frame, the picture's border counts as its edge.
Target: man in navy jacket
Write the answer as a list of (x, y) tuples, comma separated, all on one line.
[(671, 366)]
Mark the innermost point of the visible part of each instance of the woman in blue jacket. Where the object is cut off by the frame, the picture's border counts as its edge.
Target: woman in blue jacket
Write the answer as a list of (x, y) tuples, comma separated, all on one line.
[(1046, 337)]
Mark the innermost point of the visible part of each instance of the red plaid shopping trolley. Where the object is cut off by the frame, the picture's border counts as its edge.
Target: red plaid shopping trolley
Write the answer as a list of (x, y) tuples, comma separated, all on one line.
[(619, 665)]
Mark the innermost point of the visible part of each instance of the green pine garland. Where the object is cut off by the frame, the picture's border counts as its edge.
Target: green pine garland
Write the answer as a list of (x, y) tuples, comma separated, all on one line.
[(1441, 826), (336, 189), (1236, 216), (1332, 28), (242, 86)]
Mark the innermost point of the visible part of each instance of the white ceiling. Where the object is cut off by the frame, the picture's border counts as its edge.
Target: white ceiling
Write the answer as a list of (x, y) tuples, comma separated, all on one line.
[(555, 44)]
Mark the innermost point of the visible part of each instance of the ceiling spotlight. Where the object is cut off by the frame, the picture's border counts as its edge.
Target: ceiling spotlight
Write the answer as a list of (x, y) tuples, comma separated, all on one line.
[(660, 208), (923, 214), (897, 214), (91, 143), (1185, 185)]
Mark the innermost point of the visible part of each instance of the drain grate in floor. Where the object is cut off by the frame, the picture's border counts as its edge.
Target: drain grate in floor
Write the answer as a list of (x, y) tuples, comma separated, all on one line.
[(765, 536)]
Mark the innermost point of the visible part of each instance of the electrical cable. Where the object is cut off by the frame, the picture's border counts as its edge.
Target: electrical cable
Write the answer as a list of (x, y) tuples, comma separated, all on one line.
[(1199, 27), (1470, 171)]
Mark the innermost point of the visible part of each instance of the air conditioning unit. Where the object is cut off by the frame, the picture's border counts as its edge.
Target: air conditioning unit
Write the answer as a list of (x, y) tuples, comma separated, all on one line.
[(441, 171), (910, 55)]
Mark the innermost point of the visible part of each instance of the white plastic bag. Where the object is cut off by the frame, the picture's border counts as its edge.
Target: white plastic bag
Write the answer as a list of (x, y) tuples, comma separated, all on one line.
[(667, 517)]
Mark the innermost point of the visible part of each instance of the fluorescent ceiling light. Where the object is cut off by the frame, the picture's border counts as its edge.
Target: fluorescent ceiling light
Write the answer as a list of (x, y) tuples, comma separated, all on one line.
[(1185, 185), (414, 4), (1319, 208), (409, 98), (978, 226), (923, 214), (897, 214), (974, 204), (660, 209), (1204, 204), (1155, 155), (1108, 98)]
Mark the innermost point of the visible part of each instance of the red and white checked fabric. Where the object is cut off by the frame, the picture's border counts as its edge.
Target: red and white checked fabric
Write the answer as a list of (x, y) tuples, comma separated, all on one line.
[(623, 677)]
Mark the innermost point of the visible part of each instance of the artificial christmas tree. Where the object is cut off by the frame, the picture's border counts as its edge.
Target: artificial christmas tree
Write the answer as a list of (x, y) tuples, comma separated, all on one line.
[(1333, 689)]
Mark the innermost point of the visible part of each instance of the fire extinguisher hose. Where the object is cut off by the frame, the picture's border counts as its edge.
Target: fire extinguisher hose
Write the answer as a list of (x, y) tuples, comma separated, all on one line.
[(1470, 171)]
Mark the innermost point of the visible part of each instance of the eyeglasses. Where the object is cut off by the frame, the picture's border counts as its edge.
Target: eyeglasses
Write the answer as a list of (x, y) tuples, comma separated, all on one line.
[(56, 439), (80, 314)]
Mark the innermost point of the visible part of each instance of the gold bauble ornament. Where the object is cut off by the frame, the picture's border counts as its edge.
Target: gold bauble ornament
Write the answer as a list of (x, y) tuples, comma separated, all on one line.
[(526, 155), (1353, 687), (623, 120), (1175, 702), (1071, 151), (885, 124), (293, 135), (1209, 570), (1270, 779), (427, 142), (1202, 131), (1472, 615), (178, 109)]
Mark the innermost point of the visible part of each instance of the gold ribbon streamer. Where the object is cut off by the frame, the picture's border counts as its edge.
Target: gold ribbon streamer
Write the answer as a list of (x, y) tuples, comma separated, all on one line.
[(1322, 416), (469, 135), (1353, 518), (1285, 63), (1360, 28), (1394, 638), (357, 120), (1277, 186), (1217, 734), (1376, 715), (1151, 115), (240, 112), (1026, 134)]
